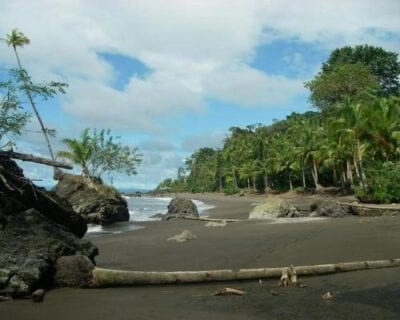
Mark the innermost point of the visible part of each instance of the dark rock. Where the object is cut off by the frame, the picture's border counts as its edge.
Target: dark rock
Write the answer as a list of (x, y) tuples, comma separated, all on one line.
[(73, 271), (38, 295), (36, 228), (97, 203), (181, 207), (328, 208)]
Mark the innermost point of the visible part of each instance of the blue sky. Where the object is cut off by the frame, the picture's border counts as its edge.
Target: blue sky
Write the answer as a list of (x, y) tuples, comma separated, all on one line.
[(173, 76)]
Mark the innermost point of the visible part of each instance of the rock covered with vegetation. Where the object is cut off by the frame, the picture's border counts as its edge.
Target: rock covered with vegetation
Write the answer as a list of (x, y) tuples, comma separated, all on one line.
[(273, 207), (96, 202), (36, 228), (181, 207)]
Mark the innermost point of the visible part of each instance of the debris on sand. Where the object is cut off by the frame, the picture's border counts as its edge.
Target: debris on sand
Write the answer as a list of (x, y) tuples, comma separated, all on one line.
[(216, 224), (230, 291), (288, 278), (327, 296), (183, 237)]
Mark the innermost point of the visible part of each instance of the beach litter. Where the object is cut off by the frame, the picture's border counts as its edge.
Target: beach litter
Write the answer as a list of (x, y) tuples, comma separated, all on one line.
[(230, 291), (216, 224), (183, 237)]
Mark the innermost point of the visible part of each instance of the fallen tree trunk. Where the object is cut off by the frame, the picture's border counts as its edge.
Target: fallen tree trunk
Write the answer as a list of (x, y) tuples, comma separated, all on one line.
[(395, 207), (112, 278), (211, 219), (32, 158)]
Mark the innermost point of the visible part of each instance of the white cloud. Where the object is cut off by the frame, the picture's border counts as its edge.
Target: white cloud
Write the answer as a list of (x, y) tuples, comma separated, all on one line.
[(197, 49), (206, 139)]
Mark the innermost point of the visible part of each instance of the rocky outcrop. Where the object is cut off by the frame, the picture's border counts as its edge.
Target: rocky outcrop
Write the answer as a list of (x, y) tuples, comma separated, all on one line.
[(273, 207), (36, 228), (98, 204), (329, 208), (181, 207)]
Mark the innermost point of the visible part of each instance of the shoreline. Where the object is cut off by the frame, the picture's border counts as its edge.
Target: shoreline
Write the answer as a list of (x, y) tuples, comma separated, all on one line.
[(245, 244)]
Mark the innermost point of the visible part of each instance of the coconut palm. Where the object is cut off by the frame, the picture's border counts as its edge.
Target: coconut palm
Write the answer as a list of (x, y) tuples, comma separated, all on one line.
[(383, 124), (351, 122), (17, 39), (282, 156), (79, 151)]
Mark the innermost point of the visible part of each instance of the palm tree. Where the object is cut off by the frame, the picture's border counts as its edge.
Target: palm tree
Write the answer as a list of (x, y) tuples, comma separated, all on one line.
[(282, 156), (79, 151), (17, 39), (383, 124), (351, 121)]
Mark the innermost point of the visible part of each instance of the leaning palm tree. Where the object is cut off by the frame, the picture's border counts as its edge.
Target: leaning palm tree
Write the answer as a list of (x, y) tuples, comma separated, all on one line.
[(15, 40)]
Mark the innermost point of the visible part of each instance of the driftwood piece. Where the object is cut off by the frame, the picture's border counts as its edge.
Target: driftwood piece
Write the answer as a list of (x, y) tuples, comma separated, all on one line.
[(32, 158), (110, 278), (395, 207), (211, 219), (214, 224), (230, 291)]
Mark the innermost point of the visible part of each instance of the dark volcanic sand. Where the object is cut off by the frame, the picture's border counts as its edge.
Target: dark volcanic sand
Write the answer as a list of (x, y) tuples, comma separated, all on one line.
[(373, 294)]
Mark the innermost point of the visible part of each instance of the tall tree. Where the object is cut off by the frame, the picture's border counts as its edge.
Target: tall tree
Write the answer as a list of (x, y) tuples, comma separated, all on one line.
[(343, 82), (384, 65), (17, 39)]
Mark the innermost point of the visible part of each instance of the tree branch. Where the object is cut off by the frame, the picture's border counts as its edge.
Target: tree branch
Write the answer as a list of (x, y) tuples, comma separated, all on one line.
[(32, 158)]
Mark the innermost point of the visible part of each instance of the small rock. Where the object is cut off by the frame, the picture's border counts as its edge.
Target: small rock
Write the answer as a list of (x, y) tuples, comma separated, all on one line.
[(215, 224), (38, 295), (183, 237), (327, 296)]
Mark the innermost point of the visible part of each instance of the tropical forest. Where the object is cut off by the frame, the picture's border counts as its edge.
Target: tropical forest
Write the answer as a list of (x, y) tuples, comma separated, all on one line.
[(348, 141)]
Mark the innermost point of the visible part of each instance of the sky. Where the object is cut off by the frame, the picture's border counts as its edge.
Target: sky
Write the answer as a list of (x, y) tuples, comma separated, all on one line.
[(172, 76)]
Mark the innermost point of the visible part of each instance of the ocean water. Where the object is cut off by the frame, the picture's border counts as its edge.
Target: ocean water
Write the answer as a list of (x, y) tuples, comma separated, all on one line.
[(142, 209)]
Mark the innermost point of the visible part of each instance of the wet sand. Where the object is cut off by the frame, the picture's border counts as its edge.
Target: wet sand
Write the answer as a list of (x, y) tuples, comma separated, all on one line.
[(373, 294)]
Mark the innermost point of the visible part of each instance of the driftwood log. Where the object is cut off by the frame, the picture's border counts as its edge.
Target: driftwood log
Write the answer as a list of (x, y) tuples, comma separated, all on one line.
[(113, 278), (32, 158), (395, 207), (211, 219)]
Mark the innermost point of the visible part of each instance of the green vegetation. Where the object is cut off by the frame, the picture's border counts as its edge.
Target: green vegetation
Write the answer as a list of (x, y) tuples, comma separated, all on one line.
[(17, 39), (97, 152), (353, 142), (12, 117)]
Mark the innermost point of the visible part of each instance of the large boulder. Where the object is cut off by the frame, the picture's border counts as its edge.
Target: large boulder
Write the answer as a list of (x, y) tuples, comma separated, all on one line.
[(328, 208), (36, 228), (273, 207), (97, 203), (181, 207)]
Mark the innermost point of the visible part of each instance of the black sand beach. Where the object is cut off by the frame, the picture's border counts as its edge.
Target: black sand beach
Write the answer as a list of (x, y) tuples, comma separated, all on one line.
[(373, 294)]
